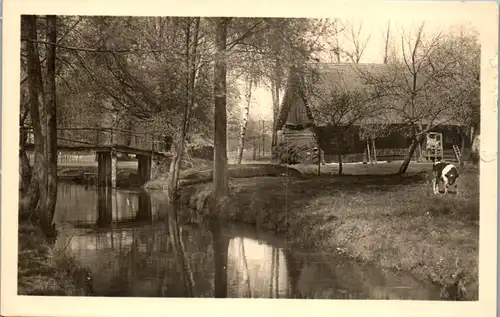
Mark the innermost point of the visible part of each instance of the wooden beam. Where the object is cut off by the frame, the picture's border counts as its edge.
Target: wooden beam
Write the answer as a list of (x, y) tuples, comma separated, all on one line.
[(102, 148)]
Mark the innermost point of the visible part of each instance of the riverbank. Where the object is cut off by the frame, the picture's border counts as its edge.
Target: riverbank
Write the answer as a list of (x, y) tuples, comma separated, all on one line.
[(42, 271), (126, 173), (390, 221)]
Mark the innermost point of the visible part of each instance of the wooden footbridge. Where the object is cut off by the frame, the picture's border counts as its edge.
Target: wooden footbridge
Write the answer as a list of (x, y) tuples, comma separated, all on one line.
[(106, 143)]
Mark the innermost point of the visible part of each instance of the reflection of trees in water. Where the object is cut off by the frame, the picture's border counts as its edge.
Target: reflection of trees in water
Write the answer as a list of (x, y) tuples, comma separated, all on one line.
[(246, 276), (335, 277), (175, 238), (175, 260), (75, 203), (294, 269), (220, 248), (275, 273), (257, 269), (144, 212)]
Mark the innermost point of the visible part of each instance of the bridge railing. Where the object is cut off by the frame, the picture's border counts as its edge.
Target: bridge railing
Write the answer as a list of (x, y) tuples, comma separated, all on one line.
[(100, 136)]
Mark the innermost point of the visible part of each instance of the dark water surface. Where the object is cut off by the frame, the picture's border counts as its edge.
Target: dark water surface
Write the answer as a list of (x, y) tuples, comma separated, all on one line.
[(123, 238)]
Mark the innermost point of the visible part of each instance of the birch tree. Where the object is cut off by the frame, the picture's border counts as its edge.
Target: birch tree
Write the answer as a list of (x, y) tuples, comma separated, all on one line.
[(244, 120)]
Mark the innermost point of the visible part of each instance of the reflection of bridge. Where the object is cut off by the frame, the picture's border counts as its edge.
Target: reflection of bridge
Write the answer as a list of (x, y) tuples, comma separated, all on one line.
[(106, 143), (103, 208)]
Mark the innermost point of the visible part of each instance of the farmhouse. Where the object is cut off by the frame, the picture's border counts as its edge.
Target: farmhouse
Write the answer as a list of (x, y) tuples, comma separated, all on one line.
[(382, 132)]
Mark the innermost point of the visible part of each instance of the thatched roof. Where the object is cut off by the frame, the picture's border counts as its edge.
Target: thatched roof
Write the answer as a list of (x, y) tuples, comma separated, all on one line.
[(326, 77)]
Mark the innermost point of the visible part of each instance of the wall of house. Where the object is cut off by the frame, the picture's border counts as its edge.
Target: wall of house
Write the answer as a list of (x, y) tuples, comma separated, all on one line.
[(391, 147), (299, 137)]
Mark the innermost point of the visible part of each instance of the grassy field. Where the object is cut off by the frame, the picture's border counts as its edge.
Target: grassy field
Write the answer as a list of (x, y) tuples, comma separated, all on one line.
[(388, 220)]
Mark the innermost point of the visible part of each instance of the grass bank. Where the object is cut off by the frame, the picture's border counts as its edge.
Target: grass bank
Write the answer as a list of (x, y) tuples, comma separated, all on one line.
[(390, 221), (199, 175), (42, 271), (126, 172)]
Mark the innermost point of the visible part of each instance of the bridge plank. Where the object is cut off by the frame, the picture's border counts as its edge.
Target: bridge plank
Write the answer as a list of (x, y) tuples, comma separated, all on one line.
[(102, 148)]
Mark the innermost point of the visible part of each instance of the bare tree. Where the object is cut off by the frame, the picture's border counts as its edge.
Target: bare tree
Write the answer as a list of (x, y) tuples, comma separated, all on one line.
[(418, 87), (387, 39), (359, 42), (339, 108), (192, 70), (463, 49)]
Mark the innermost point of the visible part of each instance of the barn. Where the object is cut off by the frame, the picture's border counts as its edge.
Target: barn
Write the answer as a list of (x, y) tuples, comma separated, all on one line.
[(297, 123)]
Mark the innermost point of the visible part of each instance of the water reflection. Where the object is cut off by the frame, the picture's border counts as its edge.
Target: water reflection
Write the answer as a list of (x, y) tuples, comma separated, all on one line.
[(102, 207), (256, 269), (135, 245)]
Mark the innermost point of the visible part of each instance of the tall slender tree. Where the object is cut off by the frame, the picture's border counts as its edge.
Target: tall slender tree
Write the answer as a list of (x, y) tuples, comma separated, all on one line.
[(220, 177)]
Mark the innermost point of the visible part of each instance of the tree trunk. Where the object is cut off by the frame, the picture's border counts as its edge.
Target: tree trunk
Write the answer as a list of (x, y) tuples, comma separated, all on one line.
[(462, 149), (474, 155), (37, 102), (130, 127), (220, 180), (319, 160), (24, 163), (411, 150), (178, 147), (275, 93), (254, 150), (51, 119), (29, 186), (24, 171), (374, 151), (173, 205), (368, 151), (386, 44), (244, 122), (339, 149)]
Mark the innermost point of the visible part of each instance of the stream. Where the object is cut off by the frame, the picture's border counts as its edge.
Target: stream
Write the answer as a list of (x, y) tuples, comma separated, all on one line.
[(122, 238)]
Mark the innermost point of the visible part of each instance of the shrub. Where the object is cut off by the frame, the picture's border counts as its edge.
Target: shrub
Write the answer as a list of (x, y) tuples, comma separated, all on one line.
[(294, 154), (474, 158), (205, 152)]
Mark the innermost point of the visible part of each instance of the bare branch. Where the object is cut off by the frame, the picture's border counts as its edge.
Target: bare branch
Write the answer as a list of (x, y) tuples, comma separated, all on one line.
[(97, 50), (248, 33)]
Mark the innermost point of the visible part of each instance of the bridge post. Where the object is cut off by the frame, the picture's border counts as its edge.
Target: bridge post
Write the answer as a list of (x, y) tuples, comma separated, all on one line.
[(145, 166), (106, 168)]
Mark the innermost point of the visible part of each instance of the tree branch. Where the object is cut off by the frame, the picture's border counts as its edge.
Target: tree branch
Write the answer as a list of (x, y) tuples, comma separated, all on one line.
[(249, 32), (95, 50)]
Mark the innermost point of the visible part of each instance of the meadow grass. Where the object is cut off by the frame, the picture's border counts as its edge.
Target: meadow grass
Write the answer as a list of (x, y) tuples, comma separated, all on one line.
[(43, 271), (391, 221)]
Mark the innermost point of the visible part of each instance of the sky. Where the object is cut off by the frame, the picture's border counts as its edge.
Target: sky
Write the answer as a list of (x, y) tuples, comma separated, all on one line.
[(373, 27)]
